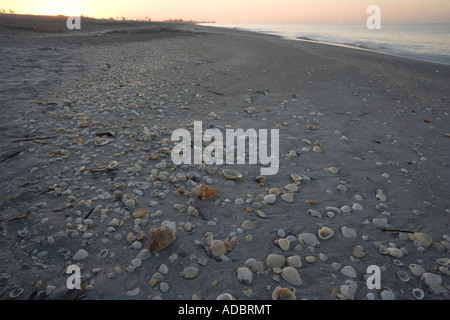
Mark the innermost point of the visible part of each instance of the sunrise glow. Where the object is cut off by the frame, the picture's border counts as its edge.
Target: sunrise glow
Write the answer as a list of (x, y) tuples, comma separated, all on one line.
[(320, 11)]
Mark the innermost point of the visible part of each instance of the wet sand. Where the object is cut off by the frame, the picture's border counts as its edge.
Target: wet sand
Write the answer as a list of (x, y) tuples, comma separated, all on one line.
[(86, 118)]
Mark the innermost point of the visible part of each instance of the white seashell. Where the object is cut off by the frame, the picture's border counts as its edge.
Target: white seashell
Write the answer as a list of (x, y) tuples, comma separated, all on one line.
[(418, 293), (381, 222), (348, 232), (270, 198), (231, 174), (333, 170), (261, 214), (348, 271), (314, 213), (309, 239), (416, 269), (275, 260), (325, 233), (404, 276), (287, 197), (423, 238), (292, 276), (387, 295), (284, 244), (225, 296), (294, 261), (431, 279), (254, 265), (358, 251), (295, 177), (333, 209), (395, 252), (244, 275), (443, 261), (283, 294), (357, 207), (80, 255)]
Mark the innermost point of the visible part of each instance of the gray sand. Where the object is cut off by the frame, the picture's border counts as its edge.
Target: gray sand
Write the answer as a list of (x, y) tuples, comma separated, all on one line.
[(383, 121)]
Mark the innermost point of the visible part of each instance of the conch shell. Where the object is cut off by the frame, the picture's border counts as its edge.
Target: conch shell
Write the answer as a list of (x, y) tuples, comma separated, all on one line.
[(161, 238)]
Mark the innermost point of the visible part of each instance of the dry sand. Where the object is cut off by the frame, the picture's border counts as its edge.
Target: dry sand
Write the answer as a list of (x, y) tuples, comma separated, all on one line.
[(383, 121)]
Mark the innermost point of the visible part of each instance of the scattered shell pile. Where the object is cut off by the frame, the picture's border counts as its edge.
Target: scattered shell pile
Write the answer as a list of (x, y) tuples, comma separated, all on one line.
[(105, 195)]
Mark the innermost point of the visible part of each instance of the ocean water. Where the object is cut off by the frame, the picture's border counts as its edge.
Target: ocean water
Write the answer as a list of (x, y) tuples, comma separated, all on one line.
[(423, 41)]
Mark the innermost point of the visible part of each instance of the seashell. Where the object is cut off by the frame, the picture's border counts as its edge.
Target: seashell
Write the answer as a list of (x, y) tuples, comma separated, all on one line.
[(348, 271), (261, 180), (225, 296), (431, 279), (103, 253), (204, 192), (275, 260), (383, 249), (333, 170), (294, 261), (348, 232), (161, 238), (295, 177), (309, 239), (287, 197), (231, 174), (418, 293), (113, 165), (189, 272), (283, 294), (423, 238), (244, 275), (358, 251), (325, 233), (292, 276), (284, 244), (270, 198), (139, 213), (217, 248), (80, 255), (387, 295), (254, 265), (261, 214), (15, 293), (402, 275), (317, 149), (101, 141), (416, 269), (348, 290), (314, 213), (381, 222), (443, 261), (395, 252)]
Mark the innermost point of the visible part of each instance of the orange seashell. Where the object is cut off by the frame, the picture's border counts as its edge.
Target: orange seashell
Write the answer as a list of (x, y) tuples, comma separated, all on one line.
[(161, 238), (206, 192)]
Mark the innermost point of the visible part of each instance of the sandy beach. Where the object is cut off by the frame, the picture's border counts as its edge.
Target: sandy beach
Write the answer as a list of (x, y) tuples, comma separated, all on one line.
[(86, 118)]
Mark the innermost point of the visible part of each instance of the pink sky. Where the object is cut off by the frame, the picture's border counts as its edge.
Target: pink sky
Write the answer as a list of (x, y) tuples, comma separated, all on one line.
[(307, 11)]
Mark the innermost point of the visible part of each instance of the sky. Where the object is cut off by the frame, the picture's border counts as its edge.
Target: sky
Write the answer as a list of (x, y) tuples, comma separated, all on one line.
[(303, 11)]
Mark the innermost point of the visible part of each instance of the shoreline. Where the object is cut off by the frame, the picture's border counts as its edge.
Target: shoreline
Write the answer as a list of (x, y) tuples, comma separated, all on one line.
[(86, 121)]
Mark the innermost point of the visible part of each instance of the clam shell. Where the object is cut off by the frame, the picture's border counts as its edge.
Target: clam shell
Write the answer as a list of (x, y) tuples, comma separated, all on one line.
[(275, 260), (244, 275), (423, 239), (418, 293), (395, 252), (101, 141), (309, 239), (443, 261), (231, 174), (348, 232), (295, 177), (225, 296), (161, 238), (403, 275), (15, 293), (416, 269), (283, 294), (292, 276), (387, 295), (325, 233), (217, 248)]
